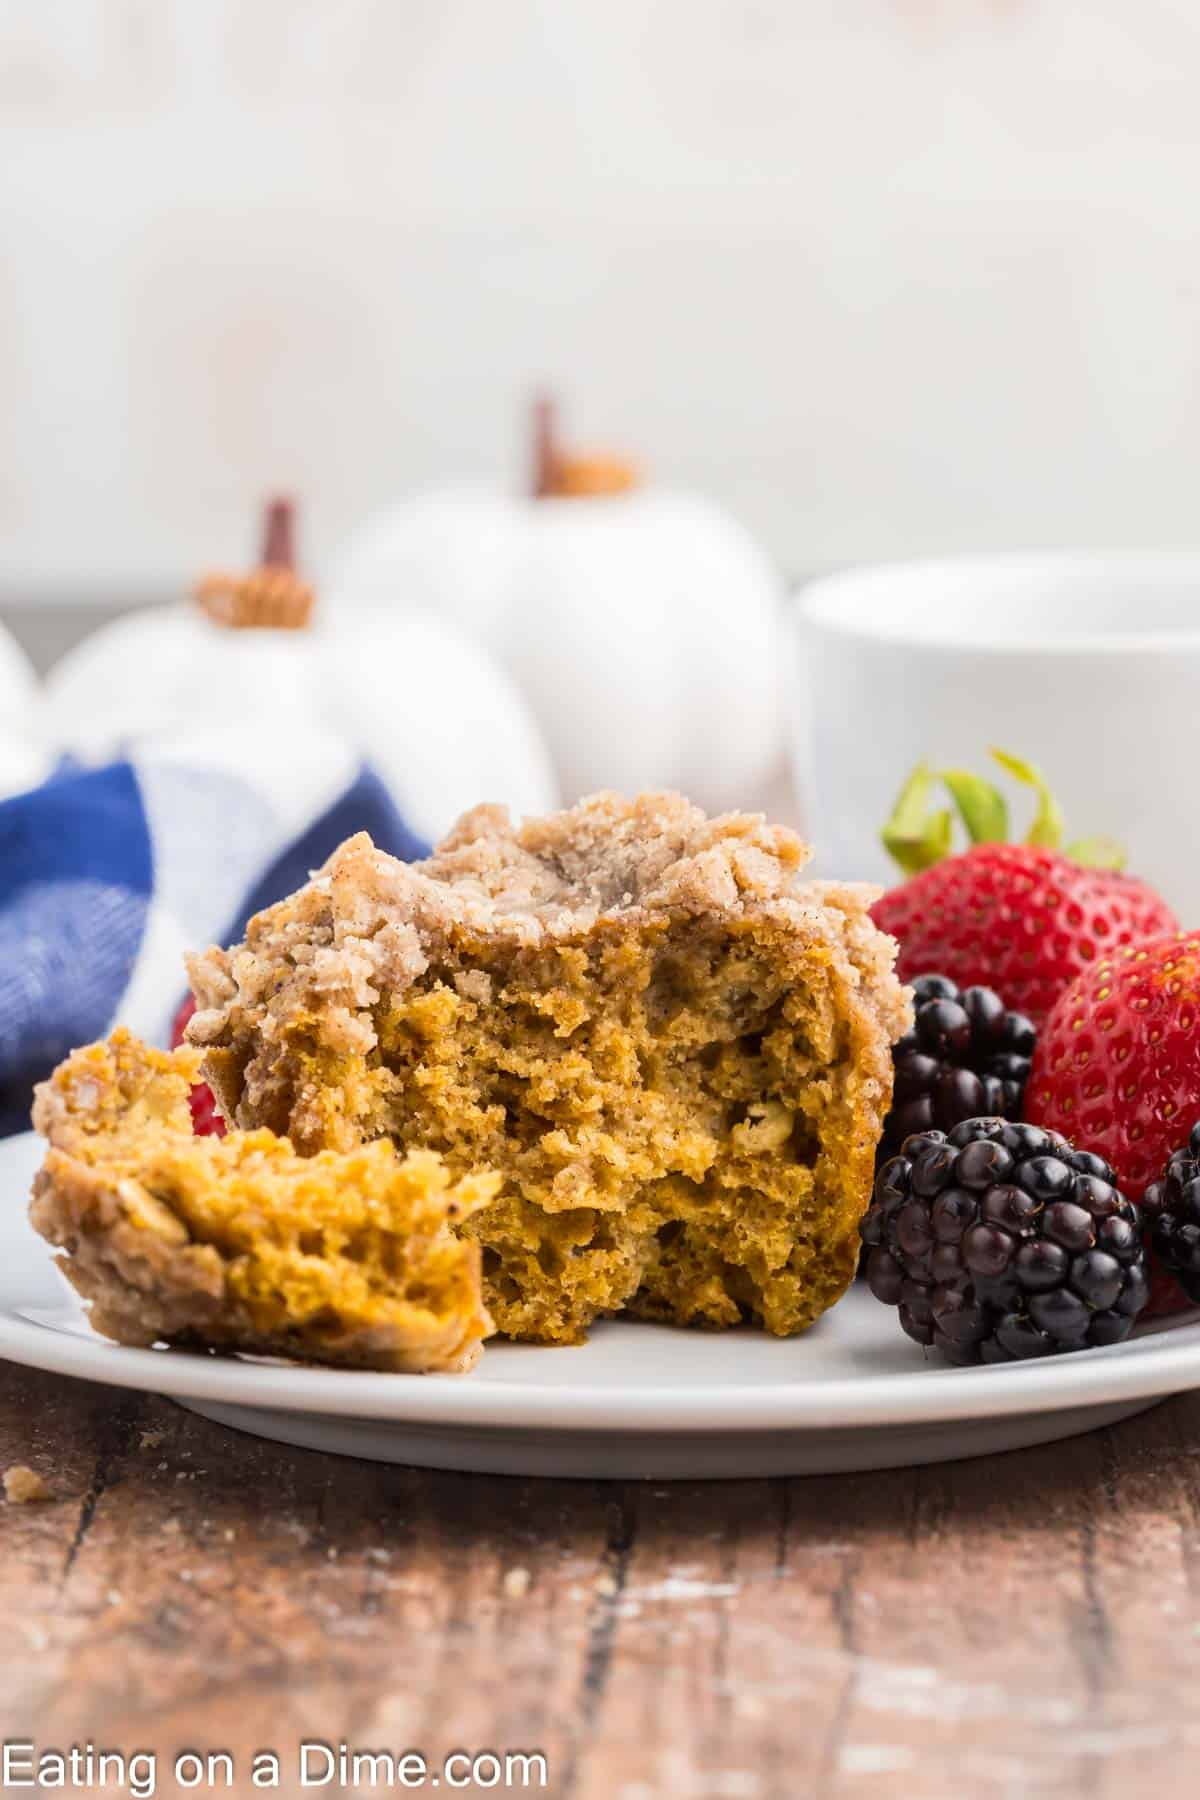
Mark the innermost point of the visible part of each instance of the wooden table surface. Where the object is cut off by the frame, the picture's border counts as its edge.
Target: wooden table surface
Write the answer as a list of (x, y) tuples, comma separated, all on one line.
[(1016, 1626)]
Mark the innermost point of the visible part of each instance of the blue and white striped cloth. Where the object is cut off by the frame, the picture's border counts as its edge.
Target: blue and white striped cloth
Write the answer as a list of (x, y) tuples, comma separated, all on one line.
[(107, 876)]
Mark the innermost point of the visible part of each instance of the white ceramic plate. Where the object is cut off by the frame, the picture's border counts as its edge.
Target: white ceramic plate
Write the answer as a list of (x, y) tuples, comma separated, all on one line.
[(637, 1400)]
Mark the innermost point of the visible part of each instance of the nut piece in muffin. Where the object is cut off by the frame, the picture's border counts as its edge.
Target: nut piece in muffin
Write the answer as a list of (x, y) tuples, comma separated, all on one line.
[(674, 1050), (239, 1243)]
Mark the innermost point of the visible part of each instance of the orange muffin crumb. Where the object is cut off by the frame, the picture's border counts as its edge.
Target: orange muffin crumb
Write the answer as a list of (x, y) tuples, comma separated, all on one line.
[(240, 1243)]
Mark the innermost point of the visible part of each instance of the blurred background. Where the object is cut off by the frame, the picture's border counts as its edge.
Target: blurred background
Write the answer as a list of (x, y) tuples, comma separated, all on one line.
[(882, 277), (873, 280)]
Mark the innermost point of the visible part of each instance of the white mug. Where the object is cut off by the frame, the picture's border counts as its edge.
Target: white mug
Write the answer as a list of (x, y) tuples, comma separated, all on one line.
[(1086, 664)]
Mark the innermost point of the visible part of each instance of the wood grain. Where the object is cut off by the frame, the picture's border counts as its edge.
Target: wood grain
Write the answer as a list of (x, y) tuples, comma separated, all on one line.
[(1025, 1625)]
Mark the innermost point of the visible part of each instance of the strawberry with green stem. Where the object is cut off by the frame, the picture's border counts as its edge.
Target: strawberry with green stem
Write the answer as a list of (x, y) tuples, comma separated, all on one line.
[(1025, 918)]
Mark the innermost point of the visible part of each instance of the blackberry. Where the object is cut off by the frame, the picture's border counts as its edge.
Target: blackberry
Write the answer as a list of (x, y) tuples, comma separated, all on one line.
[(1000, 1241), (966, 1055), (1171, 1217)]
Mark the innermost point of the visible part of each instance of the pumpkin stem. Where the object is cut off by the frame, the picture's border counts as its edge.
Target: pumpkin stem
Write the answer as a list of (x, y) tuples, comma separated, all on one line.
[(562, 475), (279, 533), (271, 595), (546, 458)]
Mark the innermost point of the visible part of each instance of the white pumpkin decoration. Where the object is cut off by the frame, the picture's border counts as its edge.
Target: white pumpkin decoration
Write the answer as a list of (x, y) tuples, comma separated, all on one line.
[(23, 758), (440, 723), (641, 625)]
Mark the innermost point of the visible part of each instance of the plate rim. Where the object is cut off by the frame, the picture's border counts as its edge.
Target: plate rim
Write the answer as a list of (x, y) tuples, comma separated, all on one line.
[(1156, 1364)]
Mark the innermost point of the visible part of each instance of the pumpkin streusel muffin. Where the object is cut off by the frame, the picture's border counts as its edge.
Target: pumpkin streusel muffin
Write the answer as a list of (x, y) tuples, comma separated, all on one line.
[(675, 1052), (238, 1242)]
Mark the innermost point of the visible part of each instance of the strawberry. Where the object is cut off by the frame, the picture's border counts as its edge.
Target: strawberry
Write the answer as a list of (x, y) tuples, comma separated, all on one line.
[(1117, 1065), (1025, 919), (206, 1119)]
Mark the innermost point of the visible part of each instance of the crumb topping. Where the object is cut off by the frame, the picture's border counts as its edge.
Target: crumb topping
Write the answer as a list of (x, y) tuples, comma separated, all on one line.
[(366, 922)]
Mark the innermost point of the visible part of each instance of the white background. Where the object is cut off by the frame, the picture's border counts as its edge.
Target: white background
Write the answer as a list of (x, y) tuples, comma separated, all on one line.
[(884, 275)]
